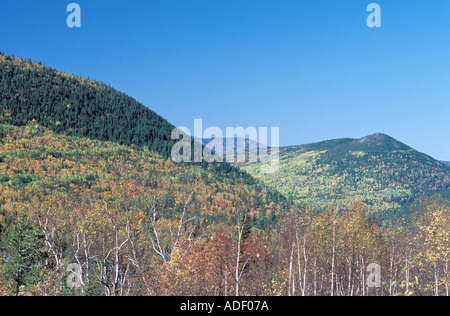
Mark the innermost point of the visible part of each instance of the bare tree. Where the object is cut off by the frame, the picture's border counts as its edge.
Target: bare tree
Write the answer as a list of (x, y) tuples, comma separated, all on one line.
[(180, 236)]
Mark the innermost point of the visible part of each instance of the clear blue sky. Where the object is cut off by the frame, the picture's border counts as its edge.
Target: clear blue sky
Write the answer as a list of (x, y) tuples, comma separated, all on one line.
[(311, 67)]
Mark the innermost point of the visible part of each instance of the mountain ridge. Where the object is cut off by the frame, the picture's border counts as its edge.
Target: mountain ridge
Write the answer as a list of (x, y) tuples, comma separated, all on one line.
[(376, 140), (43, 112), (239, 145), (377, 169), (76, 106)]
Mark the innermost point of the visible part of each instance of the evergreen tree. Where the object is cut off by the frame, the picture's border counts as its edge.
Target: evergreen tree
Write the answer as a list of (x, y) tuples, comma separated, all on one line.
[(26, 258)]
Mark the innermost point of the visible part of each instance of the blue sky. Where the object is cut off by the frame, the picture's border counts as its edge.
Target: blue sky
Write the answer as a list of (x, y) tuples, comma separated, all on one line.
[(310, 67)]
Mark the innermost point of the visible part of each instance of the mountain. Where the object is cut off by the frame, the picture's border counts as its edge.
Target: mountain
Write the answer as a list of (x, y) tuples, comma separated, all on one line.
[(71, 106), (379, 170), (77, 106), (240, 145), (95, 206), (38, 166), (86, 179)]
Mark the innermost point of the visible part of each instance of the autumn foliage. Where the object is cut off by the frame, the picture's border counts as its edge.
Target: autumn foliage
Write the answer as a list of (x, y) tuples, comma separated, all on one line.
[(139, 224)]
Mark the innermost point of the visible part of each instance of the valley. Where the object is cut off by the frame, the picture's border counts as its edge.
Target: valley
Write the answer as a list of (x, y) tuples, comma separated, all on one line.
[(89, 193)]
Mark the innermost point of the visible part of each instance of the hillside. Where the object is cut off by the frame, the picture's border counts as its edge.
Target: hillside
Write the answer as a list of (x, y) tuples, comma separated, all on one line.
[(76, 106), (379, 170), (90, 204), (70, 186), (45, 165), (92, 112), (83, 166)]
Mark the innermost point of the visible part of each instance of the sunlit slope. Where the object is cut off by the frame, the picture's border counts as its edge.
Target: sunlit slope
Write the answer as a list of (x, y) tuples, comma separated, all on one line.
[(41, 169), (379, 170)]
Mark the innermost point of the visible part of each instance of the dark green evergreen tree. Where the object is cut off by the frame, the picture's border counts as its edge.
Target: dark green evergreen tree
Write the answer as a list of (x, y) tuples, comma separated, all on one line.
[(26, 255)]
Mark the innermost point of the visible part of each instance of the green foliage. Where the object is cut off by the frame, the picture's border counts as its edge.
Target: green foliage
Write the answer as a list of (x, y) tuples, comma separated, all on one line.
[(407, 287), (77, 106), (446, 194), (4, 178), (378, 170), (26, 255)]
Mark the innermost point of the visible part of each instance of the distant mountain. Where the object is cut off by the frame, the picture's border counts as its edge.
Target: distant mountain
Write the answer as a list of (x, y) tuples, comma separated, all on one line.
[(240, 145), (379, 170), (446, 162)]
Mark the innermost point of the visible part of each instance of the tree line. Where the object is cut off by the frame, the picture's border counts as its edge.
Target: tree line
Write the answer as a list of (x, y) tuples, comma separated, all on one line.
[(138, 252)]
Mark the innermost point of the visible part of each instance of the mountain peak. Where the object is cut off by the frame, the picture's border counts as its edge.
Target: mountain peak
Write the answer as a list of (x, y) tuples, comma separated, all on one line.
[(379, 170), (378, 135), (382, 141)]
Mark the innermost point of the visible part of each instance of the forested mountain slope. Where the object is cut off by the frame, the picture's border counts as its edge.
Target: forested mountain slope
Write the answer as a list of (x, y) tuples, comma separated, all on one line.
[(380, 171), (77, 106), (77, 115), (139, 224), (38, 166), (136, 223), (70, 186)]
